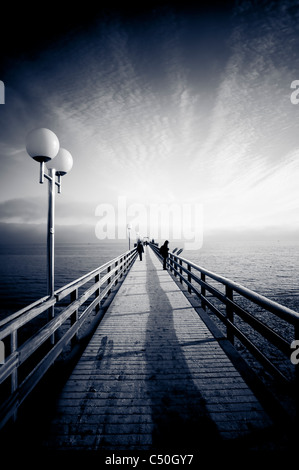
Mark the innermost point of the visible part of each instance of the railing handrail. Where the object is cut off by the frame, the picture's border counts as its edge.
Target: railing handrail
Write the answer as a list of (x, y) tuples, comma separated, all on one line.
[(20, 312), (91, 273), (30, 313), (74, 311), (281, 310), (57, 292), (227, 307), (263, 301)]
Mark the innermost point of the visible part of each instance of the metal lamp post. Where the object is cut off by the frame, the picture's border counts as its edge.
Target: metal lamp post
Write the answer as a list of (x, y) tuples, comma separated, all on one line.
[(129, 226), (43, 146)]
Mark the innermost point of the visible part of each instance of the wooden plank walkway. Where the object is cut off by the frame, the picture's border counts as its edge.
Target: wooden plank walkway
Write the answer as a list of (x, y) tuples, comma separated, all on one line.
[(154, 377)]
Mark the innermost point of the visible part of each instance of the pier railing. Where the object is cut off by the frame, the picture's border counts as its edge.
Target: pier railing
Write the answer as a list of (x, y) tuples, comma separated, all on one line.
[(37, 335), (264, 328)]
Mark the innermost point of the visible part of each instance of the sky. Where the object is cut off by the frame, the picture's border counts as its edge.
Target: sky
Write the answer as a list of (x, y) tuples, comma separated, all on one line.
[(177, 115)]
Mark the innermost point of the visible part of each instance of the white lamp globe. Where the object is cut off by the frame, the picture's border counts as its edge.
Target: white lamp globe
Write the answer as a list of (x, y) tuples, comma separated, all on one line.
[(62, 163), (42, 144)]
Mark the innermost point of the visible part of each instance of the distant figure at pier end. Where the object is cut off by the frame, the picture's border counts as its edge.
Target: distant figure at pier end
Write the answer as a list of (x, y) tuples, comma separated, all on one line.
[(164, 252), (140, 249)]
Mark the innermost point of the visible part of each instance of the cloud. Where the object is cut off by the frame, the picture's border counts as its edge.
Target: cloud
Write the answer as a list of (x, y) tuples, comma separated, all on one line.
[(34, 211), (21, 210), (165, 108)]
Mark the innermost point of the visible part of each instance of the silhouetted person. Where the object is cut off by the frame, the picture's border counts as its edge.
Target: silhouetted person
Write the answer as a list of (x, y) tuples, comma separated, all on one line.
[(164, 252), (140, 250)]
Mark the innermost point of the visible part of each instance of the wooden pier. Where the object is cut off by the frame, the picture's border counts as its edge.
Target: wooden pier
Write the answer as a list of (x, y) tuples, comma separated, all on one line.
[(155, 377)]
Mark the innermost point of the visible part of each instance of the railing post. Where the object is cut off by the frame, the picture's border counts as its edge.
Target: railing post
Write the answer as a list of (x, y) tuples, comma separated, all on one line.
[(109, 278), (116, 272), (229, 314), (97, 292), (74, 317), (121, 267), (13, 348), (14, 374), (50, 317), (174, 265), (203, 291), (189, 278), (181, 272)]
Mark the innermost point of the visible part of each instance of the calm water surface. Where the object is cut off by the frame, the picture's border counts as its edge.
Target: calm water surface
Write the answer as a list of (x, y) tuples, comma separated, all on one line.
[(269, 269)]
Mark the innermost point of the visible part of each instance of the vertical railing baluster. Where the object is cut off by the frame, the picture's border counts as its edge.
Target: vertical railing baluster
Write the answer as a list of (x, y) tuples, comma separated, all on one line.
[(109, 279), (74, 317), (97, 292), (189, 277), (121, 266), (51, 315), (229, 314), (116, 272), (13, 348), (203, 291), (181, 272), (14, 374), (174, 265)]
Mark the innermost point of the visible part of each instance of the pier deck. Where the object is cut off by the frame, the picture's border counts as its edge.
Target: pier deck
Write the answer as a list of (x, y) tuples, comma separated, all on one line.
[(154, 377)]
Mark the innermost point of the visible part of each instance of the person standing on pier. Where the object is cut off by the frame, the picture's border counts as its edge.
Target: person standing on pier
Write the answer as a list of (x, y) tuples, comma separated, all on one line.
[(140, 249), (164, 252)]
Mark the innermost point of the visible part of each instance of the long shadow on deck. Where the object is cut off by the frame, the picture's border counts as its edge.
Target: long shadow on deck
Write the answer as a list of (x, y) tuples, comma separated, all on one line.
[(180, 418)]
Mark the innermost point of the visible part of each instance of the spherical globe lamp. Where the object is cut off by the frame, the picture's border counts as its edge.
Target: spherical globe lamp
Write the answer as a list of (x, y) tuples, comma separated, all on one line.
[(42, 144), (62, 163)]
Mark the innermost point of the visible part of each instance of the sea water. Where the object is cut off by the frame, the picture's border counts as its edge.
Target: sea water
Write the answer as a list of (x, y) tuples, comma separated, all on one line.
[(23, 269), (270, 269)]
